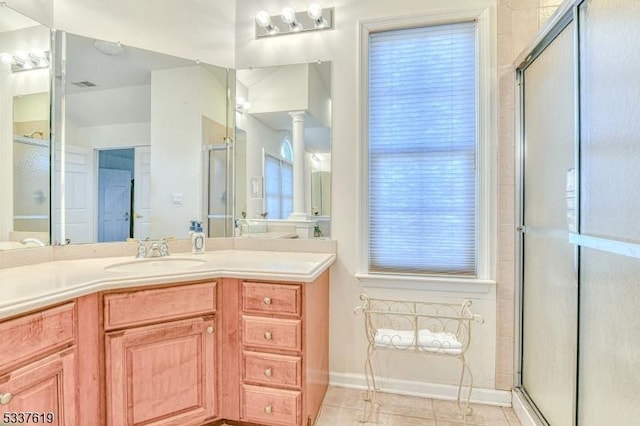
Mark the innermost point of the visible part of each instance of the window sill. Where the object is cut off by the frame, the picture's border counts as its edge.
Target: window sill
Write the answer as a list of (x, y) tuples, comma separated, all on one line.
[(439, 284)]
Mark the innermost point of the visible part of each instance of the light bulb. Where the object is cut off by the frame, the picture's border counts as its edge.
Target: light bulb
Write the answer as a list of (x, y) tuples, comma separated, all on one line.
[(38, 53), (288, 15), (22, 55), (315, 11), (263, 19), (6, 58)]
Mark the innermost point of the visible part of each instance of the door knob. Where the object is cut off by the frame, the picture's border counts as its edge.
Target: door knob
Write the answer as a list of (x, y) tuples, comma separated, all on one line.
[(137, 216)]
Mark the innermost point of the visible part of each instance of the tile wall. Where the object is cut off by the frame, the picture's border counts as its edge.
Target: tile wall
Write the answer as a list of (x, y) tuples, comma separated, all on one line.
[(518, 23)]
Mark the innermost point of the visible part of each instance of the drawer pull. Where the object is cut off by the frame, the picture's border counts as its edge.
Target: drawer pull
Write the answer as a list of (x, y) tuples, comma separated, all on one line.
[(268, 372), (5, 398), (266, 301), (267, 335), (210, 329), (268, 409)]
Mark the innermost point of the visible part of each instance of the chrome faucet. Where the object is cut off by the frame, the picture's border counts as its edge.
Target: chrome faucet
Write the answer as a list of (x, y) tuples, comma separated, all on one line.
[(158, 248), (142, 249), (154, 250)]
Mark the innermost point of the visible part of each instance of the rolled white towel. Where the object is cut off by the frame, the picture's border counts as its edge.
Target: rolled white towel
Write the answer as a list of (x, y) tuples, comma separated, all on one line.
[(390, 338), (438, 342)]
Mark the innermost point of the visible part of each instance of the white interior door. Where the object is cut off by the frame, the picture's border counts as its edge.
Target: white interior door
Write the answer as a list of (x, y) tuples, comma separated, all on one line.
[(78, 196), (114, 205), (142, 193)]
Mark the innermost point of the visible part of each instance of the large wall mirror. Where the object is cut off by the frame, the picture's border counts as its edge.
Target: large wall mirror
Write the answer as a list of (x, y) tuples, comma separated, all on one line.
[(283, 151), (24, 130), (144, 144)]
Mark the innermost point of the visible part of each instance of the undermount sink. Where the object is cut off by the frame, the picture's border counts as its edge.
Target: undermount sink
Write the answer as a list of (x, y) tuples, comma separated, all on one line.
[(158, 264)]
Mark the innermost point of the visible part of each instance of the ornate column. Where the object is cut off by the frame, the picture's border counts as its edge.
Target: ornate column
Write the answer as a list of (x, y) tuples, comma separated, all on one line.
[(299, 200)]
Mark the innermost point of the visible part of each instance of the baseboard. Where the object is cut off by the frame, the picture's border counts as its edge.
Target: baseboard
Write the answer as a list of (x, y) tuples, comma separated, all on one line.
[(522, 410), (422, 389)]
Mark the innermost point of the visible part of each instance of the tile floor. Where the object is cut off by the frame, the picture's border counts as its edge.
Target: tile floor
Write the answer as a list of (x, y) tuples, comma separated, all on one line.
[(343, 407)]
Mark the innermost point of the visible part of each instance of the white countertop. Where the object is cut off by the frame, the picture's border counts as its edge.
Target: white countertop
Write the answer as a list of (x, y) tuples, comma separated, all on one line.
[(26, 288)]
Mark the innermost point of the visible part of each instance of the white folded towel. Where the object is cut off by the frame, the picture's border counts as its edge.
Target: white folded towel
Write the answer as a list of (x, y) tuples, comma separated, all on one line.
[(437, 342), (388, 337)]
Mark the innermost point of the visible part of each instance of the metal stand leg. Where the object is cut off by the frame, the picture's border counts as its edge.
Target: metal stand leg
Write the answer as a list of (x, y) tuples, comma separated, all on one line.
[(371, 406), (463, 406)]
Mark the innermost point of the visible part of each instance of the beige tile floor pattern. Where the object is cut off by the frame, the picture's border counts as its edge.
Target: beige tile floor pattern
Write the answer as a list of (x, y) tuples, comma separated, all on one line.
[(344, 407)]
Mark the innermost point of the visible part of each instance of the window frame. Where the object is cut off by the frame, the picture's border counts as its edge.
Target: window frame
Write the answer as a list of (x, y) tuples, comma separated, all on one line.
[(486, 107), (282, 162)]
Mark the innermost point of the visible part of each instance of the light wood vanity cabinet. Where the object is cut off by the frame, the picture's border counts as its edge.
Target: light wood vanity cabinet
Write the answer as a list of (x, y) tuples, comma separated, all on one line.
[(160, 355), (194, 353), (38, 366), (284, 351)]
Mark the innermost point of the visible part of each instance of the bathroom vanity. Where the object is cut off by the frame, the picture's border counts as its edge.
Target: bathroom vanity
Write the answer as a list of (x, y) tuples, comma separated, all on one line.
[(241, 336)]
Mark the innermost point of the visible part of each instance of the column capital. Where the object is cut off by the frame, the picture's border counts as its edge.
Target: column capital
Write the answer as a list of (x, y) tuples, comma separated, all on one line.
[(298, 115)]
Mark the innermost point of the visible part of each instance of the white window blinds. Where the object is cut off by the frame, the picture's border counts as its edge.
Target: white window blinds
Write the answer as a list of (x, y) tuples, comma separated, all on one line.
[(278, 187), (422, 150)]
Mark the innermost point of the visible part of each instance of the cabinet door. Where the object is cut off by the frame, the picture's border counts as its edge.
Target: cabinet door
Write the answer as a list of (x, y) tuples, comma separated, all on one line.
[(44, 389), (162, 374)]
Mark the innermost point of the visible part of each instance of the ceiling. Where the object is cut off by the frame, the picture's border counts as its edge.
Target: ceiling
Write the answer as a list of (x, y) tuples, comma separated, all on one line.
[(129, 72)]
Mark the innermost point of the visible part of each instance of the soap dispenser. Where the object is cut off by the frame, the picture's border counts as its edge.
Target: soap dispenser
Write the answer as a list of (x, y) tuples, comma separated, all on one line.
[(197, 239)]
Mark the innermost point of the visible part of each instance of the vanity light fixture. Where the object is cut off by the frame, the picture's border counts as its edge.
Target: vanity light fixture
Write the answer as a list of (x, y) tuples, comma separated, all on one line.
[(22, 60), (289, 21)]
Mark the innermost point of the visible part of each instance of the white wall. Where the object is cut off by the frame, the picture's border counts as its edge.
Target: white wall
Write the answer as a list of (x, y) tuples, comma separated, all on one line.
[(114, 136), (259, 139), (176, 153), (38, 10), (191, 29), (340, 45)]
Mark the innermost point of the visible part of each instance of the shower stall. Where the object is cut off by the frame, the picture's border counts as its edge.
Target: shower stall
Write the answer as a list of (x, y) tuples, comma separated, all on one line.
[(579, 257), (30, 185)]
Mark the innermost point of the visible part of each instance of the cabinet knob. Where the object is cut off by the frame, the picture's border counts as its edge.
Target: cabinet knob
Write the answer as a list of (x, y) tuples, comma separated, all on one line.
[(210, 329), (266, 301), (5, 398), (268, 372), (267, 335), (268, 409)]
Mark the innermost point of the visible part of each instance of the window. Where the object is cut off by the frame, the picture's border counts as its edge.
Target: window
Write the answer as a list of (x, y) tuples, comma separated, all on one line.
[(278, 187), (425, 196)]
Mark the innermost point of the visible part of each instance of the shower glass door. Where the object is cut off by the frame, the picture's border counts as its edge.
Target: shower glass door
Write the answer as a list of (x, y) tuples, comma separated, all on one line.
[(219, 189), (549, 282), (609, 378)]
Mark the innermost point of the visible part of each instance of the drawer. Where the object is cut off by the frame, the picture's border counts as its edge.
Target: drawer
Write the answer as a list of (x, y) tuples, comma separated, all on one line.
[(282, 299), (159, 304), (268, 406), (29, 336), (271, 369), (272, 333)]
